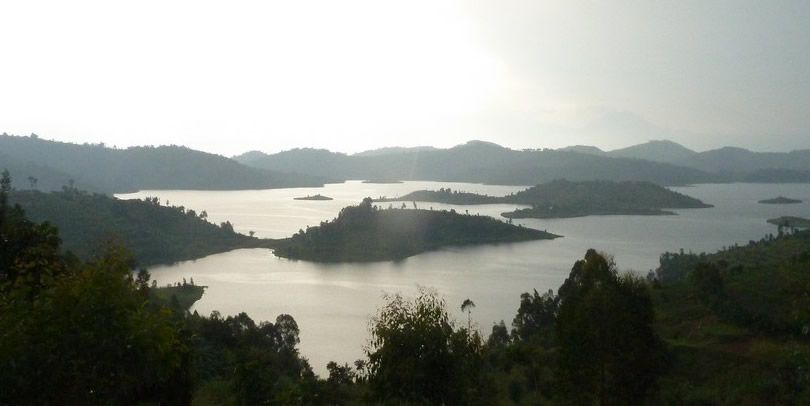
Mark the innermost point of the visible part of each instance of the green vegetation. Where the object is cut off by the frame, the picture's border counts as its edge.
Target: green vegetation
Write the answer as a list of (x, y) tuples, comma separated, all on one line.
[(780, 200), (727, 328), (417, 356), (737, 322), (562, 198), (315, 197), (155, 234), (364, 233), (789, 222), (181, 296)]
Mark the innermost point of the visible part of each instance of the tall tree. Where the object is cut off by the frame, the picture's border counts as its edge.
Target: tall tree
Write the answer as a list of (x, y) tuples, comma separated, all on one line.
[(467, 306), (416, 356), (608, 351)]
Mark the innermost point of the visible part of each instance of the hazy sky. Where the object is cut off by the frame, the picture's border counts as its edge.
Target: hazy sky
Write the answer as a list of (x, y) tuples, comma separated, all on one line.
[(228, 77)]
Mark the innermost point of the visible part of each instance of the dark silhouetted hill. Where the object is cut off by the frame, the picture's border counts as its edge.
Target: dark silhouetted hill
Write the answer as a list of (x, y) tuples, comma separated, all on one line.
[(109, 170), (154, 234), (661, 151), (363, 233), (477, 162)]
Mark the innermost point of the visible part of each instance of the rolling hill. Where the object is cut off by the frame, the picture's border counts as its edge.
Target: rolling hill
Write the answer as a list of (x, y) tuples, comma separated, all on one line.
[(98, 168)]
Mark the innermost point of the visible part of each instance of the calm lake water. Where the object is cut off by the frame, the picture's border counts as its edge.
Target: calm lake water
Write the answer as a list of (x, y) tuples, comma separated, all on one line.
[(332, 303)]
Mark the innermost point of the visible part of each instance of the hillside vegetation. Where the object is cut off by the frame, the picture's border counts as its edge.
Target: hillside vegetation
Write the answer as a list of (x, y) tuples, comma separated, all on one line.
[(737, 322), (364, 233), (155, 234)]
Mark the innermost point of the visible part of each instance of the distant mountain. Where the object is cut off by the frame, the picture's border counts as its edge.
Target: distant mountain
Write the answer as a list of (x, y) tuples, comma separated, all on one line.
[(661, 151), (100, 169), (479, 162), (393, 150), (584, 149), (740, 162)]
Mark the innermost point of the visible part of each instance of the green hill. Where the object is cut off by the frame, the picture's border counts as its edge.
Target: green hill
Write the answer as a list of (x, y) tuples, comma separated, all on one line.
[(363, 234), (737, 321), (154, 234)]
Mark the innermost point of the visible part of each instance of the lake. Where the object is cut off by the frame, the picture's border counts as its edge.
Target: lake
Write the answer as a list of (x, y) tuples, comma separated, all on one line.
[(332, 303)]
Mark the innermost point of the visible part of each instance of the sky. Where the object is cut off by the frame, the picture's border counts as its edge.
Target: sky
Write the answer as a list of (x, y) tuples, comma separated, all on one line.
[(229, 77)]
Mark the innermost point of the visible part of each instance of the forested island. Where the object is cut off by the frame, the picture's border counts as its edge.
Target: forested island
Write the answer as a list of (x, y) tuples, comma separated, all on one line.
[(365, 233), (562, 198), (780, 200), (154, 233), (315, 197), (443, 195)]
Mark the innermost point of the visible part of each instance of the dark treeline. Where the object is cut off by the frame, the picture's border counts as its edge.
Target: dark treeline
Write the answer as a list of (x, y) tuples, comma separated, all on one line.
[(99, 168), (154, 233), (366, 233)]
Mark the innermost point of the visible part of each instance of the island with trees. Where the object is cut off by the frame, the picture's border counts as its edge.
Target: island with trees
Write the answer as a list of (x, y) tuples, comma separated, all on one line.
[(153, 232), (443, 195), (780, 200), (317, 197), (562, 198), (365, 233)]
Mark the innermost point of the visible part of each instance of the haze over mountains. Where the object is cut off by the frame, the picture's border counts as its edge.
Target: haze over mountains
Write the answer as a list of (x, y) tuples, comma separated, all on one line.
[(50, 165), (97, 168), (662, 162)]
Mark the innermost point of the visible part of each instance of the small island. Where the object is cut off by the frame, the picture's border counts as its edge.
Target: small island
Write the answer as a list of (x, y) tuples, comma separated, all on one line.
[(365, 234), (780, 200), (561, 199), (316, 197), (790, 222)]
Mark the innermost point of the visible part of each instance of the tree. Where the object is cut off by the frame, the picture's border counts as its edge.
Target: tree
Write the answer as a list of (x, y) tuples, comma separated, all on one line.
[(608, 350), (416, 356), (536, 316), (467, 306)]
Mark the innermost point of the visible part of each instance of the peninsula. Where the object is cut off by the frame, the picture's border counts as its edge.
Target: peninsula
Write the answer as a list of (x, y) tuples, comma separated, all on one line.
[(365, 234)]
